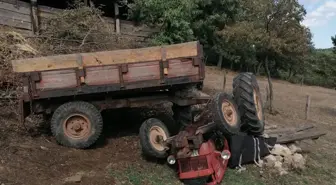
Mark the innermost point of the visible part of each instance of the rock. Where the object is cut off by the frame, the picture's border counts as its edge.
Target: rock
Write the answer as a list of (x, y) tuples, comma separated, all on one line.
[(43, 148), (76, 178), (288, 160), (279, 158), (298, 161), (269, 161), (283, 172), (294, 149), (278, 165), (280, 150)]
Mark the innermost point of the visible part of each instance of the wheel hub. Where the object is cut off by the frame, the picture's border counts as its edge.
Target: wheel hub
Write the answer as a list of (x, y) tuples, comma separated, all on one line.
[(77, 126), (229, 113), (156, 136), (258, 104)]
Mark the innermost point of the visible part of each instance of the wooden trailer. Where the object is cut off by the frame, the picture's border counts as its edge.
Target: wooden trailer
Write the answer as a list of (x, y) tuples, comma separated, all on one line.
[(83, 84)]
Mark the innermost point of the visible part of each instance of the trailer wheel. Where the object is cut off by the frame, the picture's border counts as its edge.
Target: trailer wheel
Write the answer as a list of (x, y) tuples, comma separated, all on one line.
[(77, 124), (196, 181), (152, 132), (247, 95), (226, 114)]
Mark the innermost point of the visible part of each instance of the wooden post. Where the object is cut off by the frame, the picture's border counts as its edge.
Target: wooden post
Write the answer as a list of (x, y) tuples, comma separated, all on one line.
[(116, 14), (307, 107), (35, 17), (266, 103), (224, 80)]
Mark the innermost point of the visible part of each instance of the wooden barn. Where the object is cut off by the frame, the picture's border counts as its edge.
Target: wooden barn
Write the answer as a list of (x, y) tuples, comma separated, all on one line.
[(26, 15)]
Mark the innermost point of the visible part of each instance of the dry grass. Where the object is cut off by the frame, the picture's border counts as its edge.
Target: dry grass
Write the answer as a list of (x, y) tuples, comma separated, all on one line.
[(118, 159)]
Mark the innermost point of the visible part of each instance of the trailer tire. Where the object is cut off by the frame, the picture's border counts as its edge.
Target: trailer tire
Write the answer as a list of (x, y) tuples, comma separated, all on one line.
[(77, 124), (149, 130), (226, 114), (248, 98)]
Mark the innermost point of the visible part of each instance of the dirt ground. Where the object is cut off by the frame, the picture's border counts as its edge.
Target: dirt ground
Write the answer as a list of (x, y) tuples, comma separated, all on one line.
[(33, 157)]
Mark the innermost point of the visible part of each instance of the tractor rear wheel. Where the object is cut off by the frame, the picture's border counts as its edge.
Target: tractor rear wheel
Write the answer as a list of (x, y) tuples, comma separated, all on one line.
[(248, 98)]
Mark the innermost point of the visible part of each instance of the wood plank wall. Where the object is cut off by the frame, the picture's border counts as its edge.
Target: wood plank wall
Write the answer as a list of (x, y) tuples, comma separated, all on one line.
[(18, 14)]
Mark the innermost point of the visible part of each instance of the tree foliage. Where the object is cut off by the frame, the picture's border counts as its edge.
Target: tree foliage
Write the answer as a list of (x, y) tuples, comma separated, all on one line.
[(333, 39), (244, 35)]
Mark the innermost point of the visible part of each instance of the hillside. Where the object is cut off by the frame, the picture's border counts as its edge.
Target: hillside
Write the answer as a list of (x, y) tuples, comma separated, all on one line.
[(33, 157)]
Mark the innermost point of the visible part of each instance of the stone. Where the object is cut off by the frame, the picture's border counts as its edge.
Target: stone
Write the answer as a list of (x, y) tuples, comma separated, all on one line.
[(279, 158), (287, 163), (280, 150), (278, 165), (75, 178), (283, 172), (294, 149), (298, 161), (269, 161)]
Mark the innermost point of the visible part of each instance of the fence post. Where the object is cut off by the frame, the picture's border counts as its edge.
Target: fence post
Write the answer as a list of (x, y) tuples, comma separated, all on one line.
[(307, 107), (117, 20), (224, 80), (34, 17)]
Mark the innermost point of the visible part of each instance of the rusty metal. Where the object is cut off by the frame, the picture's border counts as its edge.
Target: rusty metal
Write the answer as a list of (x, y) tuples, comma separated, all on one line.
[(229, 113), (156, 136), (77, 126), (258, 104)]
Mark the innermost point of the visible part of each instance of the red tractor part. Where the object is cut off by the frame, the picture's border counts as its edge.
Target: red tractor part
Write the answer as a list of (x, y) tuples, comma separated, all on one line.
[(209, 164)]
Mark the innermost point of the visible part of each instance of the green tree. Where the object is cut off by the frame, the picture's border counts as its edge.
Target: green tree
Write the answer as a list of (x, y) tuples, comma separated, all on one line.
[(269, 33), (185, 20), (333, 39)]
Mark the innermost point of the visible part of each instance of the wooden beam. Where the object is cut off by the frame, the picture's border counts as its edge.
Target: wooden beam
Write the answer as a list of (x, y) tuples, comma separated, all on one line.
[(313, 134), (116, 14), (184, 50)]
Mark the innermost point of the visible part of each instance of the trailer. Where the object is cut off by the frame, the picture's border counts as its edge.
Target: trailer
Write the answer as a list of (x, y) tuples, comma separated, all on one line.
[(73, 89)]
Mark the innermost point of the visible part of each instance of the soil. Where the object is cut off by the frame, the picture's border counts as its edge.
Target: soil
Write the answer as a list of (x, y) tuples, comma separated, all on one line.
[(31, 155)]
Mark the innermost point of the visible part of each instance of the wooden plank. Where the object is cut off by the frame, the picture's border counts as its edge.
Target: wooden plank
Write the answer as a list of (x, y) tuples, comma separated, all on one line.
[(289, 130), (15, 23), (183, 50), (47, 9), (14, 15), (15, 6), (299, 136)]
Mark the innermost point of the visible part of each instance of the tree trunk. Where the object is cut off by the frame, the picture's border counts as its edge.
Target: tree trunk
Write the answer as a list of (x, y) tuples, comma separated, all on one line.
[(258, 68), (220, 62), (290, 74), (231, 67), (270, 85)]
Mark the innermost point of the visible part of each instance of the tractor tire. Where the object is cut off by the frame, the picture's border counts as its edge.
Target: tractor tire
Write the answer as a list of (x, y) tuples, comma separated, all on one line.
[(77, 124), (151, 146), (169, 121), (225, 114), (196, 181), (248, 98)]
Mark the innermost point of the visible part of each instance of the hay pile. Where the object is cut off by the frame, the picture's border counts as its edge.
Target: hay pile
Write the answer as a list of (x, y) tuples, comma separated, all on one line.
[(12, 46)]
